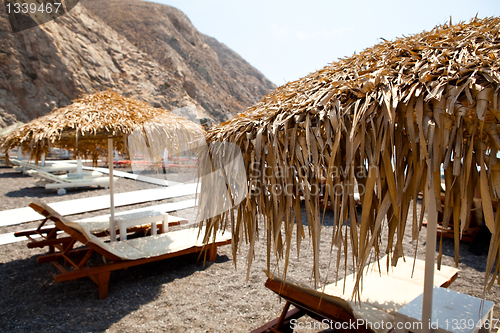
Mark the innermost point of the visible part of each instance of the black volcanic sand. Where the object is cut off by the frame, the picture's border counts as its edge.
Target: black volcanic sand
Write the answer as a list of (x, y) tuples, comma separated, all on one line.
[(175, 295)]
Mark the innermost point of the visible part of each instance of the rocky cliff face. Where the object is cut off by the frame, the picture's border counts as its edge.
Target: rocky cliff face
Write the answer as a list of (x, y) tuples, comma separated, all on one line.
[(169, 65), (211, 73)]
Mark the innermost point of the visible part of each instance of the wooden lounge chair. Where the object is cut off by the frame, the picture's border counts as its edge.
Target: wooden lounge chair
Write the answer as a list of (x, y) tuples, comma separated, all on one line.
[(116, 255), (44, 235), (383, 294)]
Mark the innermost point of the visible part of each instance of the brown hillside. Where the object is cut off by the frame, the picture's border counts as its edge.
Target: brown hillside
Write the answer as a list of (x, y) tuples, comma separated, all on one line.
[(48, 66), (211, 73)]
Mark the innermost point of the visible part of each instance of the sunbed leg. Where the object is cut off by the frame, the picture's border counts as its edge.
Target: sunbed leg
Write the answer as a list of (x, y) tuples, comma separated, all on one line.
[(282, 323), (212, 253), (102, 283), (52, 235), (283, 315)]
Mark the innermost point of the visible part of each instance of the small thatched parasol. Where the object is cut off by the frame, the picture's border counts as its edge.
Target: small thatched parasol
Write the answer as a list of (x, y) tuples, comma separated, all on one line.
[(386, 121), (85, 126), (89, 125)]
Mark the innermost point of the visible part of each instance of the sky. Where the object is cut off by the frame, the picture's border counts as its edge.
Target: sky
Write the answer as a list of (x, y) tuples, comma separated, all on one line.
[(288, 39)]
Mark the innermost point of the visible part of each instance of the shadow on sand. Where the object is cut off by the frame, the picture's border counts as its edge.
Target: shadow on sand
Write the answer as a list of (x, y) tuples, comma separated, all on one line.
[(11, 174), (40, 192), (26, 285)]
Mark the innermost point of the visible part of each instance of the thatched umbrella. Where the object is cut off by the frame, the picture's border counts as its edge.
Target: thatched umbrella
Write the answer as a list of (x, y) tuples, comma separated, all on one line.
[(89, 125), (385, 120), (85, 126)]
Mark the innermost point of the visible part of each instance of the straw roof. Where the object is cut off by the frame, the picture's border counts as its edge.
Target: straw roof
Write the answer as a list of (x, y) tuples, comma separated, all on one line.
[(85, 126), (386, 121)]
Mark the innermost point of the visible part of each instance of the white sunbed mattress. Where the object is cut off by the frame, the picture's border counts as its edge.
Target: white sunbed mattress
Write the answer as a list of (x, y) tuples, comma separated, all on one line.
[(389, 291), (144, 247)]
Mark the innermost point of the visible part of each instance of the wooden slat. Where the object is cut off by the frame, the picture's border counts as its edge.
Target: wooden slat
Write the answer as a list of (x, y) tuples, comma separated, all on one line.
[(295, 313), (121, 264), (60, 267), (47, 242), (30, 232), (56, 256)]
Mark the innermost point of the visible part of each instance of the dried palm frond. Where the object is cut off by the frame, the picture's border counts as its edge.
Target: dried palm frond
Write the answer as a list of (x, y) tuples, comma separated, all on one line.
[(85, 126), (385, 121)]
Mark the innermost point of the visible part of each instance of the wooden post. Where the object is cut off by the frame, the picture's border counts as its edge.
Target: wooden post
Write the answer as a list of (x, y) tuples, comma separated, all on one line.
[(164, 225), (102, 283), (79, 168), (430, 253), (112, 224), (212, 252)]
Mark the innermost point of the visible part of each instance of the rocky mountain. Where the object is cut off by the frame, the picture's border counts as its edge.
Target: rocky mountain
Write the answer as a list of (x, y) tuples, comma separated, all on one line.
[(211, 73), (154, 55)]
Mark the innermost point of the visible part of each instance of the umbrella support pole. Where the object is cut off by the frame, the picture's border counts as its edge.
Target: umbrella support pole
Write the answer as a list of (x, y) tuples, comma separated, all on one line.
[(430, 253), (112, 225), (79, 167)]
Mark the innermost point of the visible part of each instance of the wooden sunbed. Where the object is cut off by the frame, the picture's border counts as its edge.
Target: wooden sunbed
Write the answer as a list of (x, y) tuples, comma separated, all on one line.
[(116, 255), (44, 235), (383, 294)]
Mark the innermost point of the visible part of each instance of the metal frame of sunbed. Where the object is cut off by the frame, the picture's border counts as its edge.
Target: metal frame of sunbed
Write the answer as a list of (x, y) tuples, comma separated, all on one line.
[(77, 258)]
